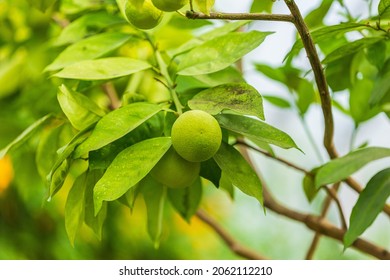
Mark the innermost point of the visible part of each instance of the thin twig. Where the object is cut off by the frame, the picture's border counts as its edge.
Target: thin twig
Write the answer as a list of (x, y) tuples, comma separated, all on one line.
[(323, 227), (234, 246), (315, 223), (317, 236), (240, 16), (281, 160), (332, 193), (349, 181), (112, 95)]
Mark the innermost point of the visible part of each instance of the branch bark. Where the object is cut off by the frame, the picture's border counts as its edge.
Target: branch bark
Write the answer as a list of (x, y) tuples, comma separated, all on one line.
[(322, 226), (234, 246), (312, 55), (240, 16)]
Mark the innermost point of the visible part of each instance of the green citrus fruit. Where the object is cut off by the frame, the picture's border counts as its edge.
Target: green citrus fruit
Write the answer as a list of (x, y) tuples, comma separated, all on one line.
[(196, 136), (174, 171), (169, 5), (143, 14)]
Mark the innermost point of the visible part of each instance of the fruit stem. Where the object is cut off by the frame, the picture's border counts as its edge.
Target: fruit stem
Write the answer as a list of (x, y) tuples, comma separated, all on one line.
[(171, 86), (164, 72)]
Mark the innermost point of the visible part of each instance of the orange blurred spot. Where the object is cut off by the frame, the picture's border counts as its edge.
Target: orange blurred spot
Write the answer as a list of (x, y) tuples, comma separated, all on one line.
[(6, 173)]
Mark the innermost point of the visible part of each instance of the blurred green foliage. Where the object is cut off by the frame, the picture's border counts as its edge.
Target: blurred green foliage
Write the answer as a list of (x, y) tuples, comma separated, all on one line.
[(31, 227)]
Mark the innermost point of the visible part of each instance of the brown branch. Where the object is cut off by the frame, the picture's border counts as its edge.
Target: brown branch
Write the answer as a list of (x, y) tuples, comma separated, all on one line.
[(323, 227), (350, 181), (234, 246), (315, 223), (240, 16), (326, 102), (317, 236), (62, 22), (112, 95), (267, 154), (333, 194)]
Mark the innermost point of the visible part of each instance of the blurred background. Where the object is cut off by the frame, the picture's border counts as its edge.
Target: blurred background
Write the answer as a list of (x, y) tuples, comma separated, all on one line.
[(32, 228)]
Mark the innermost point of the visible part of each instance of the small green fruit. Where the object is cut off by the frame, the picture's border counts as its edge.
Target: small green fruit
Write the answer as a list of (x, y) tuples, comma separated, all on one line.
[(196, 136), (169, 5), (174, 171), (143, 14)]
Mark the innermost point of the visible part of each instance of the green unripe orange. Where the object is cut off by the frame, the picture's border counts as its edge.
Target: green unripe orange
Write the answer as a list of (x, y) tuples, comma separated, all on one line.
[(174, 171), (169, 5), (196, 136), (143, 14)]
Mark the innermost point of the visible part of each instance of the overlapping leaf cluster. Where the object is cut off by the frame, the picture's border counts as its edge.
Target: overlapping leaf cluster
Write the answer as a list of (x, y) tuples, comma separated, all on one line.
[(120, 89), (113, 144)]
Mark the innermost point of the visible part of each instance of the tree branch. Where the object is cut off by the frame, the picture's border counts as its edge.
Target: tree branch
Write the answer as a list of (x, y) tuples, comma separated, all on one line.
[(112, 95), (240, 16), (317, 236), (228, 239), (332, 192), (323, 227), (315, 223), (326, 101), (267, 154), (349, 181)]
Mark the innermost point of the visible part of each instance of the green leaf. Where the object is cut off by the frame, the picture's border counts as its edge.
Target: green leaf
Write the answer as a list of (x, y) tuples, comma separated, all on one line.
[(219, 53), (102, 158), (78, 108), (205, 5), (376, 54), (186, 201), (309, 187), (337, 73), (360, 95), (75, 207), (92, 221), (316, 17), (210, 170), (155, 197), (306, 95), (326, 33), (370, 203), (26, 134), (77, 6), (383, 7), (57, 177), (213, 33), (277, 101), (241, 98), (128, 168), (225, 76), (341, 168), (66, 151), (259, 6), (50, 140), (351, 48), (256, 130), (103, 69), (12, 73), (226, 184), (238, 171), (116, 124), (381, 86), (87, 49), (85, 25), (42, 5), (274, 73)]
